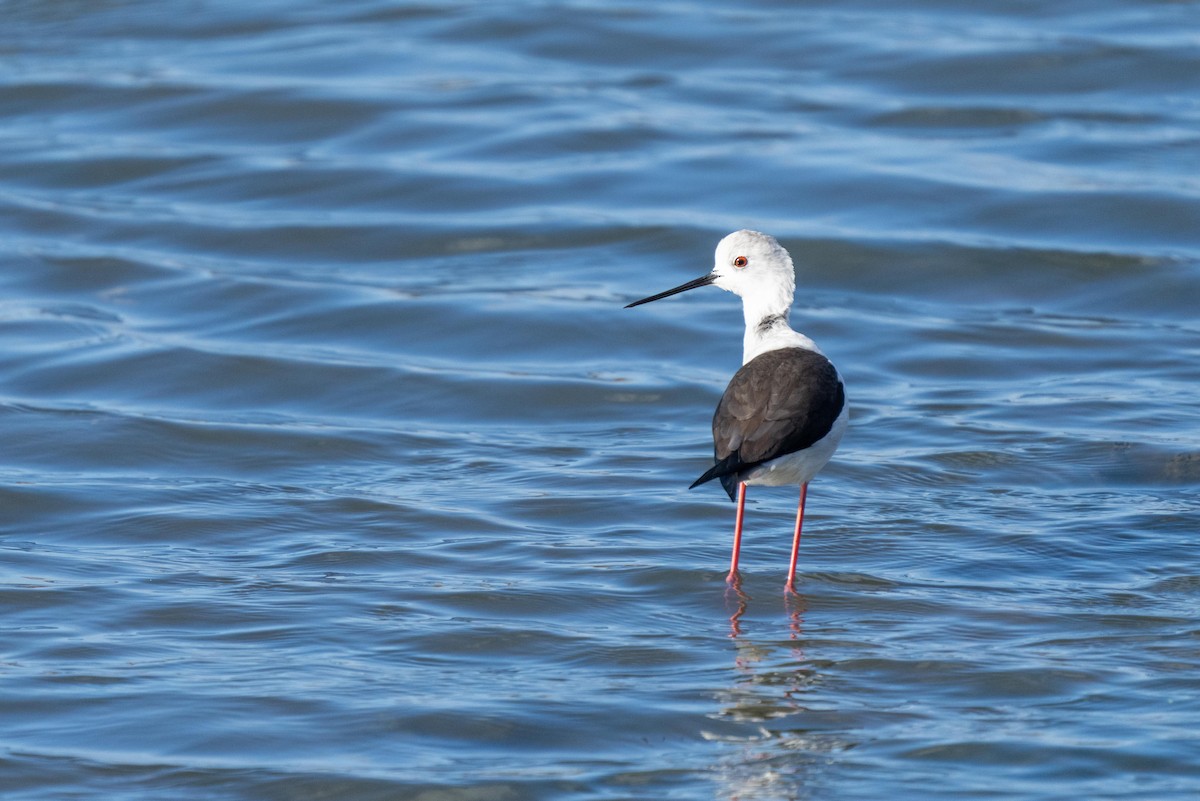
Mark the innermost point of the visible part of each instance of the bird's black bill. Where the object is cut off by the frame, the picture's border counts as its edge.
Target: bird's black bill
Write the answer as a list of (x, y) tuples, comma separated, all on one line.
[(703, 280)]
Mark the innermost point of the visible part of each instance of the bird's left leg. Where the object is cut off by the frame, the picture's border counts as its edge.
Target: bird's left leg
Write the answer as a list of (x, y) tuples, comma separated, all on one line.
[(791, 580)]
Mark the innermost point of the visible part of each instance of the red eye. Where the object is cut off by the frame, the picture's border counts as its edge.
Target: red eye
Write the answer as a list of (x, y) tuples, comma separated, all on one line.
[(740, 261)]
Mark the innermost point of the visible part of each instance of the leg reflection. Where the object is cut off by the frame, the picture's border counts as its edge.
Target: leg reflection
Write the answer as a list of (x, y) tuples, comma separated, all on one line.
[(774, 744), (736, 599), (795, 606)]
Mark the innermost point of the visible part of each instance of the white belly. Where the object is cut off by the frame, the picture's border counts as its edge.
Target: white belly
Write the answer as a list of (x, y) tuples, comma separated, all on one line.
[(799, 468)]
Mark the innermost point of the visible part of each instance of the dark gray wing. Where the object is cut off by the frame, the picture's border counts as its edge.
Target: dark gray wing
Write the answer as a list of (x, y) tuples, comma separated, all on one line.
[(780, 402)]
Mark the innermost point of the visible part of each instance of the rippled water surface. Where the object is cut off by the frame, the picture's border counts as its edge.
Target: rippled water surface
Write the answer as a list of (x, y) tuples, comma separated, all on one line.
[(333, 468)]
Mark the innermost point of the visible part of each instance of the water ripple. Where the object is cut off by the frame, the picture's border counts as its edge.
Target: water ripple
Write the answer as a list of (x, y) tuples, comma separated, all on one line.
[(333, 466)]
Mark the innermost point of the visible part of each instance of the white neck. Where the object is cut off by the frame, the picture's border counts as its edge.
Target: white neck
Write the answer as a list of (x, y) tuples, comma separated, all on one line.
[(770, 331)]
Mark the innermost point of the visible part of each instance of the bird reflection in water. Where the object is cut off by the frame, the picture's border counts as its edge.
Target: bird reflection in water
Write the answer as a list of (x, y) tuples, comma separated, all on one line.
[(736, 599), (776, 751)]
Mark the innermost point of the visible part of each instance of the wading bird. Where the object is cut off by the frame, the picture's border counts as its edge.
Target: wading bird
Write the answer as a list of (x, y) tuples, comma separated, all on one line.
[(784, 412)]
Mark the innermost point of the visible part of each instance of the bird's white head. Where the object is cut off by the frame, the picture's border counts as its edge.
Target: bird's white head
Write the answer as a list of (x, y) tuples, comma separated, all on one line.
[(755, 267), (751, 265)]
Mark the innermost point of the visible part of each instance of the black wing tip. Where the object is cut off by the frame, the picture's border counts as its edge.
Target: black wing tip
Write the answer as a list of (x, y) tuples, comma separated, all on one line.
[(708, 476), (728, 480)]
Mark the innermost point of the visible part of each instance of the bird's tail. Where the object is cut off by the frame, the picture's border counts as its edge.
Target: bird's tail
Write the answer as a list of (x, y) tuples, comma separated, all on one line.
[(725, 471)]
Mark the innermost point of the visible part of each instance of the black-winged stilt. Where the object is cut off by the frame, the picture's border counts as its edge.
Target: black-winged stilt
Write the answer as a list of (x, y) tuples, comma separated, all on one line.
[(784, 412)]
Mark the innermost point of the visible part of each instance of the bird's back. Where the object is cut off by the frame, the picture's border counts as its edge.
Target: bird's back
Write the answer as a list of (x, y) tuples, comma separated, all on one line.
[(780, 403)]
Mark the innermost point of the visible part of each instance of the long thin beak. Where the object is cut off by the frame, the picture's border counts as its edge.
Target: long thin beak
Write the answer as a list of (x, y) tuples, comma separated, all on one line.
[(703, 280)]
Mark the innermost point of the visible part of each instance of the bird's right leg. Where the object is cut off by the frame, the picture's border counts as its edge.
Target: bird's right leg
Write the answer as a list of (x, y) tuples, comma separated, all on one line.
[(737, 532)]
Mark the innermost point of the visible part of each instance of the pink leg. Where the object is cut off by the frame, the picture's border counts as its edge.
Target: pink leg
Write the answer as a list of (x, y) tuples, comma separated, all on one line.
[(791, 581), (737, 533)]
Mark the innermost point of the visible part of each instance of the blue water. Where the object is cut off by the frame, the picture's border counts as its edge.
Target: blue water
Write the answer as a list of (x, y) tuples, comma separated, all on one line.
[(333, 468)]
